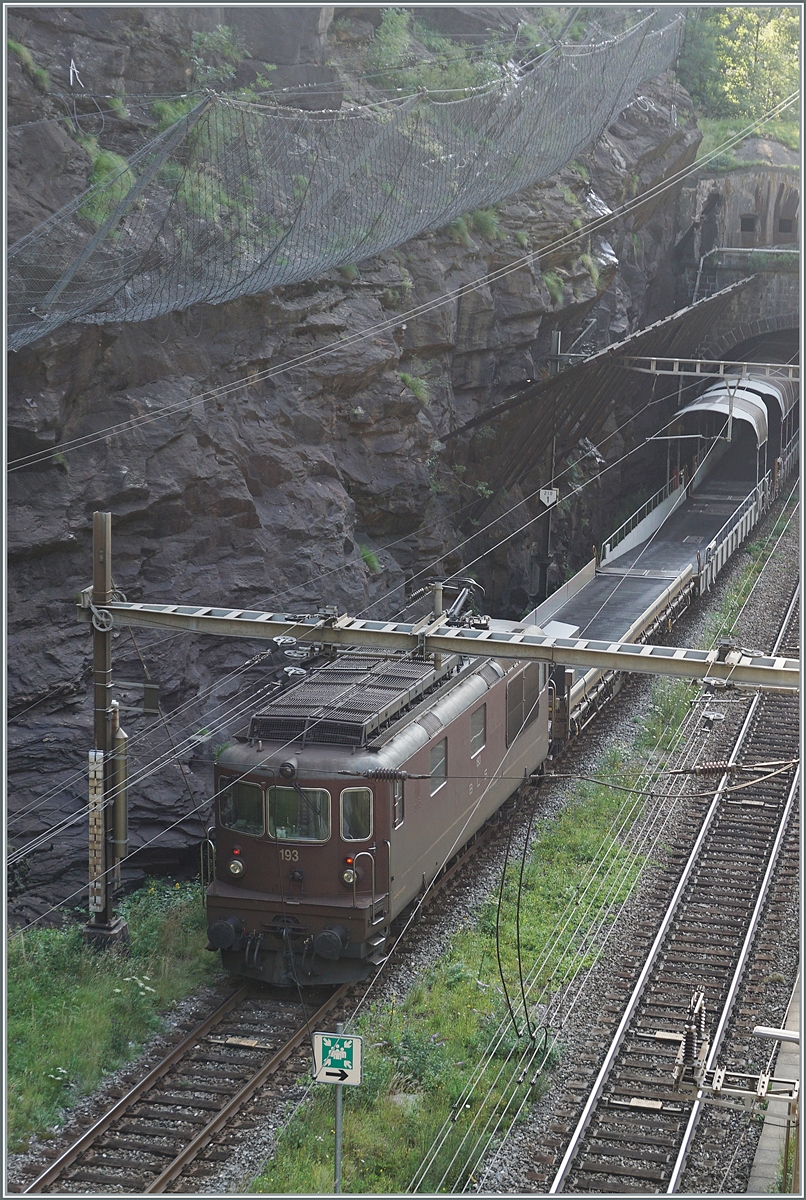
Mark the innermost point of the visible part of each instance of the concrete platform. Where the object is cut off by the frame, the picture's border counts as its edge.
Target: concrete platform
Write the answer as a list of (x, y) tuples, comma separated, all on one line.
[(770, 1149)]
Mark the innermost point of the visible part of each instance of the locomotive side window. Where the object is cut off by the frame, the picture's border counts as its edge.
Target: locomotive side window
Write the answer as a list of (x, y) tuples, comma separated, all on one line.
[(299, 814), (356, 814), (240, 808), (397, 803), (478, 730), (439, 765)]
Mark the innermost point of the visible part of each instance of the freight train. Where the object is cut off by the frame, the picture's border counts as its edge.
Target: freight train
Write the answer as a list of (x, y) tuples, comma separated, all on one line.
[(365, 773)]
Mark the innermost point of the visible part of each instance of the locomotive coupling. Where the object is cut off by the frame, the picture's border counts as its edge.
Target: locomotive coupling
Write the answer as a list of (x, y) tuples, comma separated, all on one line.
[(225, 934)]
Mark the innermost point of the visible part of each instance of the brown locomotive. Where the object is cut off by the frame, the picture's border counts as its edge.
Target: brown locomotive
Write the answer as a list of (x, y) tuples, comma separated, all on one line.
[(351, 790)]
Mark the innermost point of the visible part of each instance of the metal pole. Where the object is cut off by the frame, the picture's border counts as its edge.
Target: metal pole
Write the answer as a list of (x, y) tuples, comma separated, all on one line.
[(337, 1179), (102, 692), (437, 613), (103, 929)]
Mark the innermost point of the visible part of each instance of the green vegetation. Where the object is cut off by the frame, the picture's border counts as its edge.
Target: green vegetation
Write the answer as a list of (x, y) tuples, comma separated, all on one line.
[(591, 266), (417, 385), (739, 62), (555, 285), (420, 1053), (371, 560), (485, 222), (772, 262), (349, 271), (118, 107), (168, 112), (38, 75), (459, 232), (215, 56), (522, 239), (112, 178), (74, 1015), (396, 57)]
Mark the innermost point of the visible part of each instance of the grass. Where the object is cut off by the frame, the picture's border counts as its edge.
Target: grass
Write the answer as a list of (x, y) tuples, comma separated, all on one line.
[(485, 222), (371, 560), (420, 1053), (716, 131), (168, 112), (592, 267), (38, 75), (555, 285), (349, 272), (74, 1015), (112, 178), (418, 386), (458, 232)]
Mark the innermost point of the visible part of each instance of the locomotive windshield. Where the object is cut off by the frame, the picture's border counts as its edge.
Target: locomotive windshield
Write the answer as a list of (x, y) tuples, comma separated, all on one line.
[(241, 808), (299, 814)]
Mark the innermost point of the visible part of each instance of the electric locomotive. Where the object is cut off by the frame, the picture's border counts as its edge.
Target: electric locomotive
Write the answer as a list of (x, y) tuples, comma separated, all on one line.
[(346, 796)]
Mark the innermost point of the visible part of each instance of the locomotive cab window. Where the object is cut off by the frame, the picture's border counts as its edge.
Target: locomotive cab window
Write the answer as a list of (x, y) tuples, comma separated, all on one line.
[(356, 814), (397, 803), (439, 765), (299, 814), (478, 730), (240, 808)]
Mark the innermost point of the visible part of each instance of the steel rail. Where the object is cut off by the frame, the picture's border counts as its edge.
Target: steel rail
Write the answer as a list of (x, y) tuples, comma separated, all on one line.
[(190, 1151), (595, 1093), (56, 1168), (637, 992), (696, 1111)]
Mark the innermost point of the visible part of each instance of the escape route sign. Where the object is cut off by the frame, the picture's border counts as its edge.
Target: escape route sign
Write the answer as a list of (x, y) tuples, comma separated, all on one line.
[(336, 1058)]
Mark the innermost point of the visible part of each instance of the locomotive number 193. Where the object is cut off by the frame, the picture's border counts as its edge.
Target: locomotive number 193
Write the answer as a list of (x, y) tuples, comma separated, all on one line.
[(289, 855)]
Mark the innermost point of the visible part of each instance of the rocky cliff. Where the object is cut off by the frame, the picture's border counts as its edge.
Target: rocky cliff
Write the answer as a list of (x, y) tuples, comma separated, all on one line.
[(326, 483)]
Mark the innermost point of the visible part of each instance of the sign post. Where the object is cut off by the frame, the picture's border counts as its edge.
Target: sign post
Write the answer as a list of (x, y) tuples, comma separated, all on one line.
[(337, 1059)]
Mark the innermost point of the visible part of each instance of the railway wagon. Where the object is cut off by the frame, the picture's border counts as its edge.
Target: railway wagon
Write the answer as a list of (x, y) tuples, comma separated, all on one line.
[(348, 794)]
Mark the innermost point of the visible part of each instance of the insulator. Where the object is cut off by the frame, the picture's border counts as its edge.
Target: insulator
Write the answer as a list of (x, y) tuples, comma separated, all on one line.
[(690, 1046), (701, 1022), (385, 773)]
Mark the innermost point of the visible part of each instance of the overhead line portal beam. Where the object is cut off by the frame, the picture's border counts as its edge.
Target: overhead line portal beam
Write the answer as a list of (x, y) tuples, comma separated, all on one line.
[(731, 667)]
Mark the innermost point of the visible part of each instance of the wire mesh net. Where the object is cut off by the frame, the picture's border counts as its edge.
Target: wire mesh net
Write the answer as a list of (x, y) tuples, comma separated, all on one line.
[(237, 198)]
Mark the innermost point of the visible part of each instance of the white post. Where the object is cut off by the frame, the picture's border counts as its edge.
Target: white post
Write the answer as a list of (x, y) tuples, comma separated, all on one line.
[(337, 1180)]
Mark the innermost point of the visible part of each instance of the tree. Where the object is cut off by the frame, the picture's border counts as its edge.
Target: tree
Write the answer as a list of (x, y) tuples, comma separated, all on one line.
[(740, 62)]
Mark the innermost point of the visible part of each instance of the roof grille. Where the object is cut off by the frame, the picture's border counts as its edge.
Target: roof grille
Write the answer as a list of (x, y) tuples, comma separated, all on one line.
[(345, 702)]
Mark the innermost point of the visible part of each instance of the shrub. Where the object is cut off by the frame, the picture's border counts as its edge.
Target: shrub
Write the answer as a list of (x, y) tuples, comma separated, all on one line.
[(522, 239), (215, 55), (350, 271)]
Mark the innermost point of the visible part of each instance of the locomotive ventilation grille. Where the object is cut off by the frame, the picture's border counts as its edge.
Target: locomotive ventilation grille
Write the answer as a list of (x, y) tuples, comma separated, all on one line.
[(346, 702)]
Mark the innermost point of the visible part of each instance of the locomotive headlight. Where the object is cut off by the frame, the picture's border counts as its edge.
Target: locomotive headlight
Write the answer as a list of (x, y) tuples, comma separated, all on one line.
[(236, 867), (348, 875), (288, 769)]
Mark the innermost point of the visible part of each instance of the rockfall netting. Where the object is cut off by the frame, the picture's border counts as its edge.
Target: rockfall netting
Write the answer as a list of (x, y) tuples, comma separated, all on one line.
[(237, 198)]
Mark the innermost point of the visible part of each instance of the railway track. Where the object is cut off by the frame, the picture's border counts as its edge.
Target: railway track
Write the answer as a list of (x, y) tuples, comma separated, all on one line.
[(168, 1120), (634, 1131), (163, 1129)]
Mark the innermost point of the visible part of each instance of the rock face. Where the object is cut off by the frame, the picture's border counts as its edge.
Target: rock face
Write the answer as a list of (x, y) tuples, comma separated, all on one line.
[(282, 451)]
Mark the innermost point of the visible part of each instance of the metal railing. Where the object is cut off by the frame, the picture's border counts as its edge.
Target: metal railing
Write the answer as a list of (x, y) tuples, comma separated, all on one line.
[(639, 515), (733, 532)]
